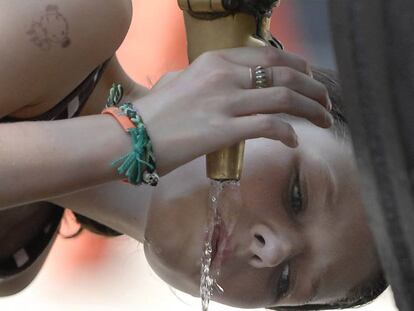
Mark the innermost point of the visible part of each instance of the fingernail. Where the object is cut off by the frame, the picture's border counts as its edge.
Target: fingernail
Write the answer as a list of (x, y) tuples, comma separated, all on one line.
[(295, 140), (310, 73), (330, 120), (329, 104)]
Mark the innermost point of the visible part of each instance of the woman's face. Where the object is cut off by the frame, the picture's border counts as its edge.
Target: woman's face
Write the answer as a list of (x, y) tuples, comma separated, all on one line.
[(301, 236)]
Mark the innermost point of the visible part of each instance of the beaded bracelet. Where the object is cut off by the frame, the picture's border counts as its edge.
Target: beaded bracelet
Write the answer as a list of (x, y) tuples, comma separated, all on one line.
[(138, 166)]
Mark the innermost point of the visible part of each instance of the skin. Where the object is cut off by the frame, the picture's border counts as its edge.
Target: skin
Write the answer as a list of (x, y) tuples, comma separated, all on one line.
[(48, 77), (84, 182), (212, 96), (328, 244)]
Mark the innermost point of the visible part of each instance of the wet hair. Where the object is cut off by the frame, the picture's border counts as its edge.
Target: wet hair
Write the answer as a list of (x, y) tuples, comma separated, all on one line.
[(370, 289)]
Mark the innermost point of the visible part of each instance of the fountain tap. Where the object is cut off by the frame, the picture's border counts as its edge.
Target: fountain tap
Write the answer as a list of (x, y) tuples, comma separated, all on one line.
[(220, 24)]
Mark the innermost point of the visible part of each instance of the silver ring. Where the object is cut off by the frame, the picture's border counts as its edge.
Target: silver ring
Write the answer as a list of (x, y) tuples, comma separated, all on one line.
[(260, 79)]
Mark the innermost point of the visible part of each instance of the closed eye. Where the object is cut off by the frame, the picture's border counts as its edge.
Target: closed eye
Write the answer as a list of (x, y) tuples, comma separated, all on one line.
[(296, 197), (283, 283)]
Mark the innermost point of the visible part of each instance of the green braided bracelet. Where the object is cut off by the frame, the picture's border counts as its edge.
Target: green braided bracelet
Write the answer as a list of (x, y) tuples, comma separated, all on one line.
[(138, 166)]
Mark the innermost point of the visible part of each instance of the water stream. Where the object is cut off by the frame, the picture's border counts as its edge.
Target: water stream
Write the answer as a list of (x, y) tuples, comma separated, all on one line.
[(224, 199)]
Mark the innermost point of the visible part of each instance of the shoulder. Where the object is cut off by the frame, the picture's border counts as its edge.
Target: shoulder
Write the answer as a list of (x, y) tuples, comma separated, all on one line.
[(46, 51)]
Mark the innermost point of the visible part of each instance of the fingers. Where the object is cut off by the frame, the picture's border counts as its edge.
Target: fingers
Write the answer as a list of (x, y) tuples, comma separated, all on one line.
[(292, 79), (267, 126), (266, 57), (281, 100)]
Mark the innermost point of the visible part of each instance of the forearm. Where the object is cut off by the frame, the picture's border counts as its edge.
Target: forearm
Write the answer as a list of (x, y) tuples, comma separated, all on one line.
[(40, 160), (125, 208), (120, 206)]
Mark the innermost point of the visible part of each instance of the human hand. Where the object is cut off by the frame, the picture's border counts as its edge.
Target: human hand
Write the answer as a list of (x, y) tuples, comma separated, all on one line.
[(212, 105)]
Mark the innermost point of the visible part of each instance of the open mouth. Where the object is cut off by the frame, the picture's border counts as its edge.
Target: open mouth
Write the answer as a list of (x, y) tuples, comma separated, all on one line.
[(215, 242), (221, 249)]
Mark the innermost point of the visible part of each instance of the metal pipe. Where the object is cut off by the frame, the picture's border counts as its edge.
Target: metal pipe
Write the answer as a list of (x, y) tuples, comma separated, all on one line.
[(221, 24)]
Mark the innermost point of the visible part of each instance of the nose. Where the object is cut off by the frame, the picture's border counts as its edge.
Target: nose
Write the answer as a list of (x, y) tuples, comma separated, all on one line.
[(269, 248)]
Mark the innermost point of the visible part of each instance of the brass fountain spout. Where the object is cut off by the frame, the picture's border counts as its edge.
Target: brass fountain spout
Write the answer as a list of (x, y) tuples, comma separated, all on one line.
[(220, 24)]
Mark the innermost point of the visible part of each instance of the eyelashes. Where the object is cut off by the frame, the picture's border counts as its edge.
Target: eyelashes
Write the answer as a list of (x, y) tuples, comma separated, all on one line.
[(296, 201), (283, 284), (296, 206)]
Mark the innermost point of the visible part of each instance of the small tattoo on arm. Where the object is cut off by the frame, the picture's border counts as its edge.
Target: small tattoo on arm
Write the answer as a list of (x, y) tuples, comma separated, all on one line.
[(52, 29)]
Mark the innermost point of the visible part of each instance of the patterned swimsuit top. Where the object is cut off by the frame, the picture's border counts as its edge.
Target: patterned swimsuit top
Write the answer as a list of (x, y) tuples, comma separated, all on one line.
[(72, 105), (68, 108)]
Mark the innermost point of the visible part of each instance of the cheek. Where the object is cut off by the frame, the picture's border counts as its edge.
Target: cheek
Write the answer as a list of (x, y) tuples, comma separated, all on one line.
[(342, 253), (266, 176), (246, 287), (358, 252), (171, 274), (174, 234), (174, 231)]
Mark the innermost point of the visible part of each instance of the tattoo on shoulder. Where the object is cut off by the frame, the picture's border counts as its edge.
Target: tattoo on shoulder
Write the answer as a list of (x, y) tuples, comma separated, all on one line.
[(52, 29)]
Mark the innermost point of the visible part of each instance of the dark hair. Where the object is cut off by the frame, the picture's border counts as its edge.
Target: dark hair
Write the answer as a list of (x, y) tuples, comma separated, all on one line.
[(330, 79), (372, 288), (70, 218), (95, 227)]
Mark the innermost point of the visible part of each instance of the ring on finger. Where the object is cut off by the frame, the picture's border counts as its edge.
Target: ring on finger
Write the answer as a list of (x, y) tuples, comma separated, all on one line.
[(260, 77)]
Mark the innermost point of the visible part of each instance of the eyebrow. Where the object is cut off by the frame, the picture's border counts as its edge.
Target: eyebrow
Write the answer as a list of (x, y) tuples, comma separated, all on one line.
[(311, 187), (316, 285), (329, 204)]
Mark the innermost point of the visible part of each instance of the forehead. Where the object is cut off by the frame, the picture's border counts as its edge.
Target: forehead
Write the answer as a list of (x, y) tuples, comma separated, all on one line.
[(313, 142), (340, 246), (339, 235)]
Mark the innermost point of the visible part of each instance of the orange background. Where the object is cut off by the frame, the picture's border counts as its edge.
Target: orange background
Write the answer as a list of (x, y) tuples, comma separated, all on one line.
[(156, 42)]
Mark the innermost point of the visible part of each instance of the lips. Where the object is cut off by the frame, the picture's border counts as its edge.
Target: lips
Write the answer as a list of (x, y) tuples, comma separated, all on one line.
[(221, 248), (215, 242)]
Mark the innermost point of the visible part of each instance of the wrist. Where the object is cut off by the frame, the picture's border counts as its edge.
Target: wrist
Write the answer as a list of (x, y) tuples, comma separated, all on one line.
[(119, 141), (138, 165)]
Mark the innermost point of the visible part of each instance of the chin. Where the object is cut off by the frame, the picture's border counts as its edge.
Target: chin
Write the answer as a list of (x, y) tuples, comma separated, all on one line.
[(184, 277), (174, 236)]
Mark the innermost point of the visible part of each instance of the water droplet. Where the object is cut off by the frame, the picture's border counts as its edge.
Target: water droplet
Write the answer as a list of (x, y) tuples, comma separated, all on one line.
[(219, 191), (219, 288)]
